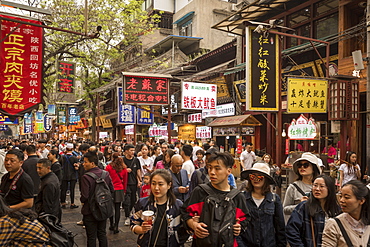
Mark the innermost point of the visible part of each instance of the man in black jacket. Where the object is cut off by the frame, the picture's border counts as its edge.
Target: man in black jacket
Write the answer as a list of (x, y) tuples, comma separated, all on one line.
[(48, 199), (29, 166)]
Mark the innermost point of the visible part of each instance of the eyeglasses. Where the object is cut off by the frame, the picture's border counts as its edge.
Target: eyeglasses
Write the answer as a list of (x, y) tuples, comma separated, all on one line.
[(320, 187), (256, 178), (305, 165)]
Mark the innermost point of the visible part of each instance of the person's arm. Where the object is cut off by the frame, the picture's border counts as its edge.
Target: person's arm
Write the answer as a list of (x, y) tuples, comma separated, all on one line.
[(279, 224), (358, 171), (288, 204), (294, 227), (341, 174), (331, 234), (27, 203), (48, 198), (137, 225), (85, 189)]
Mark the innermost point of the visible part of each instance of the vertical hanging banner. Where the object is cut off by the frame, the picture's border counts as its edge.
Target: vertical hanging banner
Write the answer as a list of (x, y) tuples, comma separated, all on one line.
[(145, 117), (73, 118), (48, 122), (145, 89), (307, 95), (39, 123), (262, 72), (66, 74), (27, 123), (61, 118), (126, 113), (51, 110), (21, 50)]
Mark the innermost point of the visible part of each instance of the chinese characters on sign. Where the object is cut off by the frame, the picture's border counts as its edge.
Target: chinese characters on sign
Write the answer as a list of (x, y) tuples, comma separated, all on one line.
[(20, 65), (302, 129), (129, 129), (203, 132), (145, 90), (307, 95), (126, 113), (61, 117), (27, 123), (72, 115), (221, 111), (48, 120), (66, 73), (262, 73), (195, 118), (198, 96), (145, 117)]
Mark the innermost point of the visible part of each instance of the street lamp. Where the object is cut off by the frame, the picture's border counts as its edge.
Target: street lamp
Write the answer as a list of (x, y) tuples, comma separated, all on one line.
[(283, 134)]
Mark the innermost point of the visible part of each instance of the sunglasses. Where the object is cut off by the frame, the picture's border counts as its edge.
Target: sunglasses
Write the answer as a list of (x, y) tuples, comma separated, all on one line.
[(305, 165), (256, 178)]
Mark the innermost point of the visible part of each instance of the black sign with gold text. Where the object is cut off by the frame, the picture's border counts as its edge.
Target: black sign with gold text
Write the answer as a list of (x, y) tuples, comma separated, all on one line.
[(262, 73)]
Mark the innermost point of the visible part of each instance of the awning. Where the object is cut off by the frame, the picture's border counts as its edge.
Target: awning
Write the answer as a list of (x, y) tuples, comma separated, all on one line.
[(173, 40), (254, 11), (235, 69), (112, 115), (245, 120), (183, 18)]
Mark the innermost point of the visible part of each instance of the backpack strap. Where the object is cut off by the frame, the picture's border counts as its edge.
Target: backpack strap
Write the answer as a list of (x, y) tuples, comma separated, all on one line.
[(344, 233), (229, 196), (95, 177), (299, 189), (273, 197)]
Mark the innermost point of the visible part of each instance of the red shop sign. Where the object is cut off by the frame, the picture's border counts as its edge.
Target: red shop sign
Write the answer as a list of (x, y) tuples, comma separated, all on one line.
[(21, 62), (145, 90)]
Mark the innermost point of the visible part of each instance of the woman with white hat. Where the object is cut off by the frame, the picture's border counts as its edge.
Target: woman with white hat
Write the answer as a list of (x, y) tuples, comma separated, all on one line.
[(266, 226), (307, 168)]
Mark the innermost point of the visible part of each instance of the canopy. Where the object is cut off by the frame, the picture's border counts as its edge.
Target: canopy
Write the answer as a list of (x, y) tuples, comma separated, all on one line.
[(245, 120)]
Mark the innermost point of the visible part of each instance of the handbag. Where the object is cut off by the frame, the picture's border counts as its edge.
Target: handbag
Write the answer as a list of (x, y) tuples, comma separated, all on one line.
[(345, 235)]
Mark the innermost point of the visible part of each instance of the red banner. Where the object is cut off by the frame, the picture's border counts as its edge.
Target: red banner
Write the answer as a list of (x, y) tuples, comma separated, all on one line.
[(66, 74), (145, 90), (21, 61)]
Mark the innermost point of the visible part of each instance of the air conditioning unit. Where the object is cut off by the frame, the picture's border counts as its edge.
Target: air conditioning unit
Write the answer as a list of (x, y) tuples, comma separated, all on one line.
[(233, 7)]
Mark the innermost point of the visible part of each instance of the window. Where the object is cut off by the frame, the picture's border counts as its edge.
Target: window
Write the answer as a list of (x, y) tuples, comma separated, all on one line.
[(186, 29), (326, 26)]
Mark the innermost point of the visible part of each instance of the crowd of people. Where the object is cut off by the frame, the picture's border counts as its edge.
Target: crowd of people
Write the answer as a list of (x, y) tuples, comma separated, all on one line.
[(173, 193)]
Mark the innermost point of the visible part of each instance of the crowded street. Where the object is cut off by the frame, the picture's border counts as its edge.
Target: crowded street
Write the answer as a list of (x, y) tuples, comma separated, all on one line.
[(178, 123)]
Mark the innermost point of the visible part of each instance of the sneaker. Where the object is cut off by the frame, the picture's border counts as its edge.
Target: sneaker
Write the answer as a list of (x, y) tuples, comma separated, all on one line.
[(64, 206), (73, 206), (127, 221), (80, 223)]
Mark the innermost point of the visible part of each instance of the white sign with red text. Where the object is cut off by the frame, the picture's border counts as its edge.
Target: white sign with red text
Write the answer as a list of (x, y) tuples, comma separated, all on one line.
[(198, 96), (203, 132), (195, 118), (129, 129)]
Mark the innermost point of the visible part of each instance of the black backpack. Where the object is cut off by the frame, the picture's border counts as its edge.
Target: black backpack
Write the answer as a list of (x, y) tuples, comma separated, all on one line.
[(58, 234), (219, 214), (101, 201)]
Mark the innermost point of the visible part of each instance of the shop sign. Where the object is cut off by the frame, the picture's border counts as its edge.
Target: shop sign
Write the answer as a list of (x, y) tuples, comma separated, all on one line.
[(48, 122), (61, 117), (145, 90), (302, 129), (307, 95), (225, 110), (66, 76), (126, 113), (247, 131), (239, 146), (97, 122), (130, 129), (240, 89), (158, 131), (173, 104), (198, 96), (21, 63), (51, 110), (39, 122), (106, 123), (72, 115), (3, 127), (5, 120), (145, 117), (209, 113), (226, 131), (27, 123), (195, 118), (222, 90), (102, 135), (203, 132), (186, 132), (262, 72)]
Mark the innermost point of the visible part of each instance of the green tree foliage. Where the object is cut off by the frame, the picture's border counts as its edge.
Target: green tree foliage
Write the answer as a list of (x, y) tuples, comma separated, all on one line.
[(121, 22)]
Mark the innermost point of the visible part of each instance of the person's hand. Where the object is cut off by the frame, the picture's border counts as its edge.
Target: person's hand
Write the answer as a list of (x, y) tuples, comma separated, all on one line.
[(200, 230), (237, 227), (366, 176), (145, 227), (182, 189), (304, 198), (139, 184), (129, 170)]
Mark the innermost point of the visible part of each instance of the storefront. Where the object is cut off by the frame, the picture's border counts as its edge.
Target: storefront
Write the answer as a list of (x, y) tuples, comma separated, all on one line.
[(227, 130)]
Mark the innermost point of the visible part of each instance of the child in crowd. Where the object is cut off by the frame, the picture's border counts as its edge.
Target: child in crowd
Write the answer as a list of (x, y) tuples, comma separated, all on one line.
[(145, 189)]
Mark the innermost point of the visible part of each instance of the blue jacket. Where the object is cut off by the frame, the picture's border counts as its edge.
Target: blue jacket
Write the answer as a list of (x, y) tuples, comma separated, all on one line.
[(299, 227), (266, 228), (176, 184), (176, 232)]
